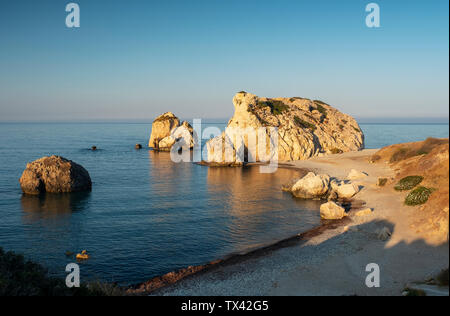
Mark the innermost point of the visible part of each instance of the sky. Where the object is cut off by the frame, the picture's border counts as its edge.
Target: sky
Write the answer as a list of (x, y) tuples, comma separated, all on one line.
[(137, 59)]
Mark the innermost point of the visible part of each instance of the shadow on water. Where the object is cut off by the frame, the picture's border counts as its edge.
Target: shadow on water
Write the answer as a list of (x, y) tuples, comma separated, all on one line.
[(53, 206)]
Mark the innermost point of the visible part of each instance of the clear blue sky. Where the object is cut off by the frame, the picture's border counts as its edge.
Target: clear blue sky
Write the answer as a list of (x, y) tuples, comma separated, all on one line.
[(137, 59)]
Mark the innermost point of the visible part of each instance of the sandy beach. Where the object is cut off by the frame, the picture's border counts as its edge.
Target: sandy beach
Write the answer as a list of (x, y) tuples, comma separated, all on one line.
[(333, 261)]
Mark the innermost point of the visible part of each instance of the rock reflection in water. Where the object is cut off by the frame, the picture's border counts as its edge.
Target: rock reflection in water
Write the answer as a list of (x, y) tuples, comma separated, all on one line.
[(52, 206), (256, 208)]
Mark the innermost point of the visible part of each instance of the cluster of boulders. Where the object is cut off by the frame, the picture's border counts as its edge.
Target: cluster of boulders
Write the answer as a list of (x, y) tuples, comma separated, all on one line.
[(324, 187), (167, 130)]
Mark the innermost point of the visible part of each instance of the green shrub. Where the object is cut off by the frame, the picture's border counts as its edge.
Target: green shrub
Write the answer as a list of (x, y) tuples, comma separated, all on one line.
[(297, 98), (304, 124), (243, 92), (321, 110), (408, 183), (276, 107), (356, 129), (418, 196)]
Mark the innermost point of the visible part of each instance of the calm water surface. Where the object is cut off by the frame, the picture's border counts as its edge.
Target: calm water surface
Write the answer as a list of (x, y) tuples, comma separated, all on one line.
[(146, 215)]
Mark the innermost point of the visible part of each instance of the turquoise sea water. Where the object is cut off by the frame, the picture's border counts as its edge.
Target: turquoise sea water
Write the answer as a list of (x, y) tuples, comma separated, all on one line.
[(147, 215)]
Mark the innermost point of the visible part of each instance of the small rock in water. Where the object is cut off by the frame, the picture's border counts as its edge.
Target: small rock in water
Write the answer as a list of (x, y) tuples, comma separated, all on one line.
[(138, 146), (94, 148)]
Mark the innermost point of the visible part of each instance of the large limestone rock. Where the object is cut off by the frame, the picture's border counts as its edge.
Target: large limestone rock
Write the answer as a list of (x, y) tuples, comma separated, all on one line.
[(306, 128), (311, 186), (54, 175), (332, 211), (167, 130)]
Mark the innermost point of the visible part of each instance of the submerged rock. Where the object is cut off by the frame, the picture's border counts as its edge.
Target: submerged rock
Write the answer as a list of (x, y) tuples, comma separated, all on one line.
[(306, 128), (332, 211), (54, 175)]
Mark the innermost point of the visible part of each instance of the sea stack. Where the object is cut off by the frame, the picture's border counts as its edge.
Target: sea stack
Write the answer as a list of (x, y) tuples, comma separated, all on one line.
[(167, 130), (306, 128), (54, 175)]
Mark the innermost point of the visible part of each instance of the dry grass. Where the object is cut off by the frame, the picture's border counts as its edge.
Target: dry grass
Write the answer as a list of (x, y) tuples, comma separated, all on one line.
[(430, 159)]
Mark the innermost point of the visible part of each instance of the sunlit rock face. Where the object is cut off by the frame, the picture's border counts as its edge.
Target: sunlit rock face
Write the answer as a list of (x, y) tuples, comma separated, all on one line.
[(167, 130), (306, 128)]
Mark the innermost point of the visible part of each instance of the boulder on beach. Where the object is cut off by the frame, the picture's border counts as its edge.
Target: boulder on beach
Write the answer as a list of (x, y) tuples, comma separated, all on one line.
[(306, 128), (54, 175), (342, 190), (167, 130), (311, 186), (356, 175), (332, 211)]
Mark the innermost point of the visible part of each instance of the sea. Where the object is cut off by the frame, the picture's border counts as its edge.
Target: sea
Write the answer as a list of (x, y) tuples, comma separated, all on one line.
[(147, 215)]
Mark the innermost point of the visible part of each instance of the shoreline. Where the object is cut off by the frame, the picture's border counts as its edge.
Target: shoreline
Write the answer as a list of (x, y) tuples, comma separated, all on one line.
[(314, 256), (158, 283)]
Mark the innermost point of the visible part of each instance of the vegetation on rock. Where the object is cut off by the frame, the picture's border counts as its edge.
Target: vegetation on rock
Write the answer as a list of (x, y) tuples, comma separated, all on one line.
[(304, 124), (276, 107)]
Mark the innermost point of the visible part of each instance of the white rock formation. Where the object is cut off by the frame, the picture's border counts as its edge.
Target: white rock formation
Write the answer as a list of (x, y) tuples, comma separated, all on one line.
[(306, 128), (166, 131)]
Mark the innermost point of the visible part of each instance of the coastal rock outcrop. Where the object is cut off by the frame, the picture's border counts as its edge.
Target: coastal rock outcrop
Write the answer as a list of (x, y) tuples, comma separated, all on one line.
[(54, 175), (332, 211), (167, 130), (306, 128)]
